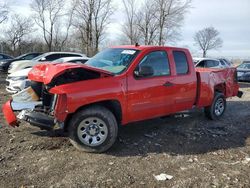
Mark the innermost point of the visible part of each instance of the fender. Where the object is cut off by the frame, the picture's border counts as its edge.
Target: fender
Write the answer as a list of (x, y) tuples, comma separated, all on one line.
[(71, 97)]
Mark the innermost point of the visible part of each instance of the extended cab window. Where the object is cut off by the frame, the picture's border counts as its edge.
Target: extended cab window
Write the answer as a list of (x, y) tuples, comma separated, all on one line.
[(181, 62), (158, 61)]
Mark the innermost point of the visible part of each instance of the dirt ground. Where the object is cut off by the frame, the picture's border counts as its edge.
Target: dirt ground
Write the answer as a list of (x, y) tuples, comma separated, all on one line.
[(197, 152)]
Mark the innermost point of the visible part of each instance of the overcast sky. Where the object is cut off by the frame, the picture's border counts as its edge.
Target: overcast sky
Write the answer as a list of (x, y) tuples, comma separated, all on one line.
[(230, 17)]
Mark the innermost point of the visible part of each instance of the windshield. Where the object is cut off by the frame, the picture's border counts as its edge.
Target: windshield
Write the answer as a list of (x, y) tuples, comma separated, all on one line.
[(21, 56), (114, 60), (244, 66)]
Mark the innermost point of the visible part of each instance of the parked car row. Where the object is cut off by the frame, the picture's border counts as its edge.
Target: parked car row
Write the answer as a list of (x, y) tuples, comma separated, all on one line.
[(243, 70), (19, 67), (50, 56), (5, 63), (212, 63)]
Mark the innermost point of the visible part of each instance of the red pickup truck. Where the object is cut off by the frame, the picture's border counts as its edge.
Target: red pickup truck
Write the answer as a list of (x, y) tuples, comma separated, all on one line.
[(118, 86)]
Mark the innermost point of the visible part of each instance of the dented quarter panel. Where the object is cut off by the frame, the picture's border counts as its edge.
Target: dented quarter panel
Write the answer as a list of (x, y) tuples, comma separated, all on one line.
[(209, 79)]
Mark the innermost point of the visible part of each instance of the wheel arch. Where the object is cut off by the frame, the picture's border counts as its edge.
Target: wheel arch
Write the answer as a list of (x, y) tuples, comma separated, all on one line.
[(113, 105), (220, 88)]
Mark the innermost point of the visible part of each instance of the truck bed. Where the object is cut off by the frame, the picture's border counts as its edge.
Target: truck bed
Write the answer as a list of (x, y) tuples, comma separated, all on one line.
[(211, 80)]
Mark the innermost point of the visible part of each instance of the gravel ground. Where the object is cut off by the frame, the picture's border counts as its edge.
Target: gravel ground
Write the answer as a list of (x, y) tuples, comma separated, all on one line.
[(197, 152)]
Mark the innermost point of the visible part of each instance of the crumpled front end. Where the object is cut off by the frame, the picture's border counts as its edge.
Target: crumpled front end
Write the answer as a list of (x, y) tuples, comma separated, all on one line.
[(40, 104), (30, 106)]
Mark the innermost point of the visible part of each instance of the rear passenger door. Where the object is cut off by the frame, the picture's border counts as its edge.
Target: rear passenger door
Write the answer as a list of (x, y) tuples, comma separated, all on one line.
[(184, 82)]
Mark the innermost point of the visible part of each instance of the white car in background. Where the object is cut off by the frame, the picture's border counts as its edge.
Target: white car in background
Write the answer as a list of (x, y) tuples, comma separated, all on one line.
[(18, 81), (78, 60), (209, 63), (50, 56)]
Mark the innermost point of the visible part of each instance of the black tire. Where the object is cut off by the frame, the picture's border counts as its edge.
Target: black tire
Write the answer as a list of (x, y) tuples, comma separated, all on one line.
[(212, 112), (104, 118)]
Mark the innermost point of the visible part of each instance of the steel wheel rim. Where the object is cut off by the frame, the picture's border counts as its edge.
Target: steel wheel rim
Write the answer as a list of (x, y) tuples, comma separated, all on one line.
[(92, 131), (219, 107)]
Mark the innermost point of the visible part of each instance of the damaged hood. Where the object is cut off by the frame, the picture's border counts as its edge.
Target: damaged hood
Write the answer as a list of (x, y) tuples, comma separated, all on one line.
[(46, 72)]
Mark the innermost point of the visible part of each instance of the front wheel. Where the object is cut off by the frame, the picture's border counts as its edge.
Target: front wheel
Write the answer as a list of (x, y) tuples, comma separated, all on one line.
[(93, 129), (218, 107)]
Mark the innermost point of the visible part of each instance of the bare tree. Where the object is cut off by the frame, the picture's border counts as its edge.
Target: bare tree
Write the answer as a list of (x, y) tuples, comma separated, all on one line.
[(208, 39), (170, 14), (91, 19), (61, 38), (47, 14), (19, 29), (155, 22), (102, 13), (4, 11), (130, 28), (147, 23)]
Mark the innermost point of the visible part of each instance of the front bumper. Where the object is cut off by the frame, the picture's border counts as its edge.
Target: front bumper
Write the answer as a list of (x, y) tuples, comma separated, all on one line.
[(9, 114), (26, 113), (10, 107)]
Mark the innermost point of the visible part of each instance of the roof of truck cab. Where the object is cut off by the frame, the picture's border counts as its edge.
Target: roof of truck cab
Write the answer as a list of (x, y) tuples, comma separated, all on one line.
[(145, 47)]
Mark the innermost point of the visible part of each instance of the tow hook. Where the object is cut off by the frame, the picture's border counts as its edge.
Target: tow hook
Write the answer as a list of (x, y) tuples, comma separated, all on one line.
[(239, 94)]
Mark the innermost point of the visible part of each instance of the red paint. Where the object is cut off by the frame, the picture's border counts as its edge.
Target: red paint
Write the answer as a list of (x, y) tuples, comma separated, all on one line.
[(45, 72), (9, 115), (139, 99)]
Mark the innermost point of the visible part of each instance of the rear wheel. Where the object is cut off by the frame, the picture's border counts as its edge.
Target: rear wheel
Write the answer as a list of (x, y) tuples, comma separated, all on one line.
[(218, 107), (93, 129)]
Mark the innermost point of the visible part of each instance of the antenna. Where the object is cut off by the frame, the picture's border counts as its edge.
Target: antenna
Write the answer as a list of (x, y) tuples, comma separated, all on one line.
[(136, 44)]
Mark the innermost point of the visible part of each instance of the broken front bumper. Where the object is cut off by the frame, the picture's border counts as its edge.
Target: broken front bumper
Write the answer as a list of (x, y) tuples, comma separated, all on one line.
[(9, 114), (10, 107)]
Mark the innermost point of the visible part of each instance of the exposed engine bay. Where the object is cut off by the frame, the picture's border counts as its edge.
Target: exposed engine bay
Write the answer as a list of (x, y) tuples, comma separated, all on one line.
[(37, 104)]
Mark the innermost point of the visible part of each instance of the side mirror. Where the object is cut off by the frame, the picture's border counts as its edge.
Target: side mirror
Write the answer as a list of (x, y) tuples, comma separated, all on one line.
[(43, 59), (144, 71)]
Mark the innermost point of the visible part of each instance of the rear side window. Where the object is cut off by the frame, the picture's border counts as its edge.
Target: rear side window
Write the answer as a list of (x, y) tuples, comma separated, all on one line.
[(70, 55), (222, 62), (200, 64), (29, 57), (79, 61), (7, 57), (53, 57), (211, 63), (181, 63)]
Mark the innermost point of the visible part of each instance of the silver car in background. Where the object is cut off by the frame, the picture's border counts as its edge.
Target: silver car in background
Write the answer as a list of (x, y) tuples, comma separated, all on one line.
[(18, 81), (209, 63)]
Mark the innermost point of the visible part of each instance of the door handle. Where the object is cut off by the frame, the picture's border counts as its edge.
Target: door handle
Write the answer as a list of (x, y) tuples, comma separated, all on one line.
[(168, 84)]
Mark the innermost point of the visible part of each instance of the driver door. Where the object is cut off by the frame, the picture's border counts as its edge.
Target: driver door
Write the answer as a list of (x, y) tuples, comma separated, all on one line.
[(151, 95)]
